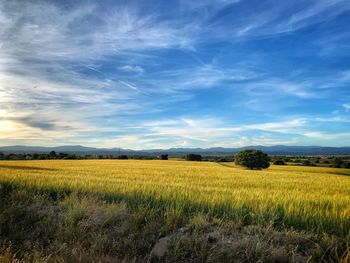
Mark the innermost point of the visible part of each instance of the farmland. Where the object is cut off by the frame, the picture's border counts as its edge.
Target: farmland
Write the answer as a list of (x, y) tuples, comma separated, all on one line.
[(162, 197)]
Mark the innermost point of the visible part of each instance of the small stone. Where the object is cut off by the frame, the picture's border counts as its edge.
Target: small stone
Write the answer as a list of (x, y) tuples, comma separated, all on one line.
[(183, 229), (161, 247)]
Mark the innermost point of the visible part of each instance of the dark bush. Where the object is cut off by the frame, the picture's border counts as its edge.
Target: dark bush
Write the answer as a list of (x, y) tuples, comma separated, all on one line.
[(279, 162), (337, 162), (307, 163), (53, 155), (163, 157), (224, 160), (193, 157), (252, 159), (123, 157)]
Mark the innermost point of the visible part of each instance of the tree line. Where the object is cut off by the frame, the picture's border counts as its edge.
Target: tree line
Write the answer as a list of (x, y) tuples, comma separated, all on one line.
[(253, 159)]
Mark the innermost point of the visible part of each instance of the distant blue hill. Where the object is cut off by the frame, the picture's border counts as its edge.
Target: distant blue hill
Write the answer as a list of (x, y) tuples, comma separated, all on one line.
[(272, 150)]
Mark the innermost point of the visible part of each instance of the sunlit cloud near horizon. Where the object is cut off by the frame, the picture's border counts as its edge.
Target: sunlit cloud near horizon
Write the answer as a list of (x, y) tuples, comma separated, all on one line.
[(160, 74)]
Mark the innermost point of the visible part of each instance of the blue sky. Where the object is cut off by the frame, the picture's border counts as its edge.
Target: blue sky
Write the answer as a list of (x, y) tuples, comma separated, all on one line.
[(161, 74)]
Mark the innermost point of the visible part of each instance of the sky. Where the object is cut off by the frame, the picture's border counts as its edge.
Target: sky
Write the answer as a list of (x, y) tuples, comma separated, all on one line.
[(161, 74)]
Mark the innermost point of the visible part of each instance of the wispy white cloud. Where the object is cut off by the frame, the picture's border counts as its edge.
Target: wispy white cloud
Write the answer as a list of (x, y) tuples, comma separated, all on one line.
[(242, 141), (327, 136), (43, 49), (213, 129), (131, 68), (215, 132), (346, 106), (123, 28), (272, 18), (67, 71)]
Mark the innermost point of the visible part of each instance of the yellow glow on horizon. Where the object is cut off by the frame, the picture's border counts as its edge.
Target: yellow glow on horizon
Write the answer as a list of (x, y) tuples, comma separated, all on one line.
[(2, 112), (6, 126)]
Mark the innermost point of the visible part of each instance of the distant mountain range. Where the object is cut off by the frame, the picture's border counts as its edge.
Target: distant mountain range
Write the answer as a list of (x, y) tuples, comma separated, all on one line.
[(272, 150)]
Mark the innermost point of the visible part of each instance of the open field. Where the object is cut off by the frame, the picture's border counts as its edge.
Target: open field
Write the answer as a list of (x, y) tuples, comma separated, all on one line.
[(310, 200)]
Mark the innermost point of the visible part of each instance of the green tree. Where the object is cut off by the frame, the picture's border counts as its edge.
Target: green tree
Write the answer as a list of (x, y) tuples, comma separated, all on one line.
[(53, 155), (193, 157), (306, 163), (163, 157), (252, 159), (279, 162), (337, 162)]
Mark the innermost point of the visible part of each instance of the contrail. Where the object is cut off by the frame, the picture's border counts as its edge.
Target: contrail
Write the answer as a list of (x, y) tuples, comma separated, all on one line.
[(128, 85)]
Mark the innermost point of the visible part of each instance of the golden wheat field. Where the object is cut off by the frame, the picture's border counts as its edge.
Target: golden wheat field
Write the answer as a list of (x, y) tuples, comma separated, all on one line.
[(311, 198)]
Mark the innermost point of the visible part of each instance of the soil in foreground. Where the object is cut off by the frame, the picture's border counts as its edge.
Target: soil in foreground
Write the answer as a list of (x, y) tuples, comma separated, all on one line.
[(47, 226)]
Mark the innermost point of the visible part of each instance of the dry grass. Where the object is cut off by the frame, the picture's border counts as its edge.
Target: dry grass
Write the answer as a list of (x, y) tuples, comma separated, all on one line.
[(312, 198), (116, 211)]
